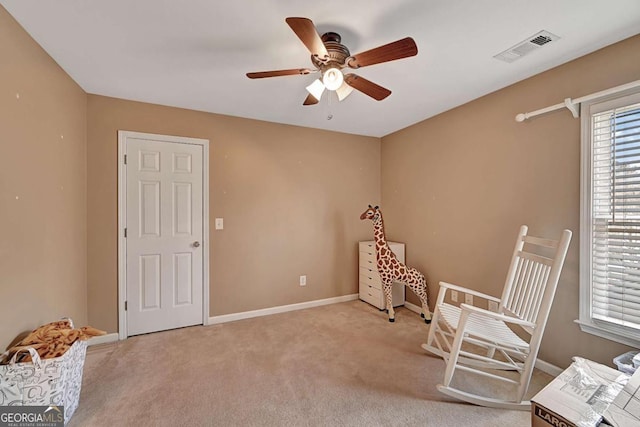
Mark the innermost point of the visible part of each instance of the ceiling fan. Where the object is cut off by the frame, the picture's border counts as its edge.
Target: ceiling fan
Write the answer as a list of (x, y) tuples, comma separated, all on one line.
[(329, 57)]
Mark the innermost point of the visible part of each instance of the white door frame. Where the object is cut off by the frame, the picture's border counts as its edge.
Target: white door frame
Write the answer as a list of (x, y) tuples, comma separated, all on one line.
[(122, 223)]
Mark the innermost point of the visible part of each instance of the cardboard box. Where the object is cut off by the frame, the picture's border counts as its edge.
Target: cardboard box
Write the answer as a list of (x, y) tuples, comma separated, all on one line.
[(578, 397), (625, 409)]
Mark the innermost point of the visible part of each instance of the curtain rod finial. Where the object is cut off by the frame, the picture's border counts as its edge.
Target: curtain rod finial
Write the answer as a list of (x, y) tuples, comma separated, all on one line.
[(521, 117)]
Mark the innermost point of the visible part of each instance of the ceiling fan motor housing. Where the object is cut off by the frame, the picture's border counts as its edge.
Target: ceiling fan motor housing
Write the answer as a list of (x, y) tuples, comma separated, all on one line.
[(338, 53)]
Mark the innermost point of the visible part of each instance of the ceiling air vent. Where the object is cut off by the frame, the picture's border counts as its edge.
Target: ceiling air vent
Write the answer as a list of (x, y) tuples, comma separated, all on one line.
[(532, 43)]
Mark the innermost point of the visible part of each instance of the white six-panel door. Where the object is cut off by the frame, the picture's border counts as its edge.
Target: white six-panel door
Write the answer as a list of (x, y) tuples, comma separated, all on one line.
[(164, 234)]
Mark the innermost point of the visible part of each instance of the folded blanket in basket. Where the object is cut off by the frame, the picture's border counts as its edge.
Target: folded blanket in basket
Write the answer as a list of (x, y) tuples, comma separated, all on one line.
[(50, 341)]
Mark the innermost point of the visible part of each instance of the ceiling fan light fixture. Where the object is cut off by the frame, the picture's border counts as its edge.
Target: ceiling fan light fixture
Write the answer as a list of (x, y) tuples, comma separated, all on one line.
[(343, 91), (316, 89), (332, 78)]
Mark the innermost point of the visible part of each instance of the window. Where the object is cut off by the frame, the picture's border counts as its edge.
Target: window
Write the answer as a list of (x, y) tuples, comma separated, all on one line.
[(610, 220)]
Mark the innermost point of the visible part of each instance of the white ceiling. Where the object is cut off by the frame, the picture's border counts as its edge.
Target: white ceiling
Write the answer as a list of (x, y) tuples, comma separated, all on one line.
[(195, 53)]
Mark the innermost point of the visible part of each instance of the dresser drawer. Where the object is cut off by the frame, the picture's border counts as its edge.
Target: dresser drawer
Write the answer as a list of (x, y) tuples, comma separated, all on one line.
[(371, 295), (368, 260), (367, 247), (371, 277)]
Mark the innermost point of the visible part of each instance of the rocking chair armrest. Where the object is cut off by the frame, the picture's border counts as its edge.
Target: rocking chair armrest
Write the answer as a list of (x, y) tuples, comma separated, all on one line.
[(497, 316), (469, 291)]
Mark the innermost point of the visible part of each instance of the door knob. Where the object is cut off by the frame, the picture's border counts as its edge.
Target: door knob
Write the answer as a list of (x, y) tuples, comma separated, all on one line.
[(196, 244)]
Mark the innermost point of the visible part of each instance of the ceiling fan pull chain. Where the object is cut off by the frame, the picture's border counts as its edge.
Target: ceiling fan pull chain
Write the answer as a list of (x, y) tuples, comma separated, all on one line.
[(329, 115)]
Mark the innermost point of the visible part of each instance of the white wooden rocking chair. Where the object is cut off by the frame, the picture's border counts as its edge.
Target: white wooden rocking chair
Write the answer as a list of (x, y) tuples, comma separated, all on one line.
[(476, 340)]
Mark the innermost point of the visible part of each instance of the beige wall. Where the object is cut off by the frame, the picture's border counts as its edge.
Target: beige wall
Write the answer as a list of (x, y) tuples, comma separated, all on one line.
[(42, 187), (290, 197), (456, 188)]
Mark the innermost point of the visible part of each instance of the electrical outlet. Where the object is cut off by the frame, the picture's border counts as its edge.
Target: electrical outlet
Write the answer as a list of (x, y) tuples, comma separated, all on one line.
[(468, 299), (303, 280), (493, 306), (454, 296)]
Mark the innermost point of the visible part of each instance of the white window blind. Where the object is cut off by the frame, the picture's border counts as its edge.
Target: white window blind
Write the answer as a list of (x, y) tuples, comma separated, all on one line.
[(615, 216)]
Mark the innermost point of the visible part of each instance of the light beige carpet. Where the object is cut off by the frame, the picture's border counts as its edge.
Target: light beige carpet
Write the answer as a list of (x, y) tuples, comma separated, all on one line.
[(337, 365)]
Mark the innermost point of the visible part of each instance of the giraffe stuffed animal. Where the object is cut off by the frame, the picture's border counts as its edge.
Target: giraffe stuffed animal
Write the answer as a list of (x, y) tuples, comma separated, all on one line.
[(391, 269)]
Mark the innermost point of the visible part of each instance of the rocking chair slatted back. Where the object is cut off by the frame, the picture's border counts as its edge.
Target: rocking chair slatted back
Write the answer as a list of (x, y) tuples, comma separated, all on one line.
[(527, 293)]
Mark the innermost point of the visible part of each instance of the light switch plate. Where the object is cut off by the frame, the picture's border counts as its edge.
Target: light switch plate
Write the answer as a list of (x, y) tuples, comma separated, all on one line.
[(219, 223)]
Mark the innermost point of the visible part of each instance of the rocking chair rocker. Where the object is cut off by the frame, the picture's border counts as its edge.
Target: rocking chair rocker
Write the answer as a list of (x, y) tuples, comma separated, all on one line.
[(476, 340)]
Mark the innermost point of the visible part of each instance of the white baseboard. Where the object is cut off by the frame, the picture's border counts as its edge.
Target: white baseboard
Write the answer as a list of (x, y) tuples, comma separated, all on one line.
[(280, 309), (547, 367), (103, 339), (413, 307)]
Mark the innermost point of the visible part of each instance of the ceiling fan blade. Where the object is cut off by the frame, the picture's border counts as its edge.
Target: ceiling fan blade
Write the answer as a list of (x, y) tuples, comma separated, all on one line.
[(388, 52), (307, 33), (310, 100), (367, 87), (277, 73)]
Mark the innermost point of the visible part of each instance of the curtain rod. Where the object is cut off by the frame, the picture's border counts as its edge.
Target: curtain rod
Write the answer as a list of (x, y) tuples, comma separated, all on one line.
[(572, 104)]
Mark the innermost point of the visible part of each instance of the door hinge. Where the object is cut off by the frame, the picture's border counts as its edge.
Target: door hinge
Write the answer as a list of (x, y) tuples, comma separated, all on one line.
[(125, 232), (125, 306), (125, 159)]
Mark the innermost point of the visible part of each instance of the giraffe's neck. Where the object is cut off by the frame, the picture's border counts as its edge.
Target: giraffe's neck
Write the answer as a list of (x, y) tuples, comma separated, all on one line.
[(378, 232)]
